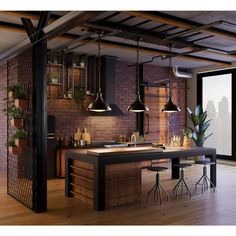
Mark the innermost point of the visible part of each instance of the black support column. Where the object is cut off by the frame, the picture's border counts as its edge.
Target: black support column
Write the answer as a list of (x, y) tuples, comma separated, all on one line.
[(39, 116), (39, 126)]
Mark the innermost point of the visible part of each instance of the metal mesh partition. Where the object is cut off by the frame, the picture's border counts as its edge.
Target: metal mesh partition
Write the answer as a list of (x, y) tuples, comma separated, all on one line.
[(20, 158)]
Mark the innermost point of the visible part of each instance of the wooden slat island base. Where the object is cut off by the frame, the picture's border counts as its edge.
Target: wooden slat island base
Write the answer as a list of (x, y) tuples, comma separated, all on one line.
[(108, 177)]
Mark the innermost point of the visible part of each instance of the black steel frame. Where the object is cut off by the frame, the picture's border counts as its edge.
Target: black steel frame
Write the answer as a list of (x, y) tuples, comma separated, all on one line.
[(200, 77)]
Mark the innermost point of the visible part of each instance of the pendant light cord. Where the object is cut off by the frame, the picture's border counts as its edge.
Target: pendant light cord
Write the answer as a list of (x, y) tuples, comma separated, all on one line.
[(137, 68), (170, 76), (99, 63)]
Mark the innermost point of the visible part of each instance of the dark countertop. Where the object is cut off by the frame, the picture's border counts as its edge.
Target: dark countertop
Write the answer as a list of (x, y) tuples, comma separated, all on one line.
[(96, 145), (114, 151)]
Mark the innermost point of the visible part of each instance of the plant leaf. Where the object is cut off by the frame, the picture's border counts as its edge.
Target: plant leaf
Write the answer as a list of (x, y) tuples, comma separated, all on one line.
[(194, 119), (198, 110), (189, 111), (208, 136), (203, 117)]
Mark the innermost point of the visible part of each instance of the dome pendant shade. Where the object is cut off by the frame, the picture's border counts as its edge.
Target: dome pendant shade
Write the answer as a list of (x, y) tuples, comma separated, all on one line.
[(170, 106), (99, 105), (137, 106)]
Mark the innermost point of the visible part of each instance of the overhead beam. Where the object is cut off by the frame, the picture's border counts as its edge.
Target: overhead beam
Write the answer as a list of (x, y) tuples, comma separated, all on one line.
[(181, 23), (58, 27), (20, 28), (29, 15), (118, 45), (150, 37), (29, 28)]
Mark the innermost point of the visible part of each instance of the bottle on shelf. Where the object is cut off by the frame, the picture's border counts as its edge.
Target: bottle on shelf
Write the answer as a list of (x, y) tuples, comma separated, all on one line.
[(77, 135), (86, 136)]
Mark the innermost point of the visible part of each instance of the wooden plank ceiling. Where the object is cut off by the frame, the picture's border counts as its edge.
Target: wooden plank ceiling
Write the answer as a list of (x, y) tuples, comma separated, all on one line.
[(197, 38)]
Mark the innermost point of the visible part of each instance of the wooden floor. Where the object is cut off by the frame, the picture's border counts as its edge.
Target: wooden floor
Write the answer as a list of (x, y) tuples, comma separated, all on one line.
[(217, 208)]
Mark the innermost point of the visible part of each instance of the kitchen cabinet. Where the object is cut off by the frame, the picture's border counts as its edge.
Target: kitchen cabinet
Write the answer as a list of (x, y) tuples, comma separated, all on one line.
[(67, 77), (56, 78)]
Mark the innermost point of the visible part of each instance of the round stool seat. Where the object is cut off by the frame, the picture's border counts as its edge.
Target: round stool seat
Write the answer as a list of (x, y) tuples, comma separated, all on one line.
[(205, 162), (157, 168), (182, 165)]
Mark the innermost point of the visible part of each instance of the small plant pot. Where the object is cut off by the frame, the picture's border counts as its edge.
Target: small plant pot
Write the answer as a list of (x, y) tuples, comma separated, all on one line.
[(17, 123), (21, 103), (22, 142), (82, 64), (54, 81), (11, 95), (14, 150)]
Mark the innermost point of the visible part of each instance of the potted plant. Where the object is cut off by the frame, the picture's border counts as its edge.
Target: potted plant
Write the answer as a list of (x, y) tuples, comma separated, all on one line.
[(20, 138), (54, 78), (79, 94), (82, 63), (200, 125), (18, 93), (15, 115), (69, 94), (12, 148)]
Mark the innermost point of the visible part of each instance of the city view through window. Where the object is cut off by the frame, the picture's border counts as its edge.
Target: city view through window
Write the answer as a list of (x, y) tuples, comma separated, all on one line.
[(217, 100)]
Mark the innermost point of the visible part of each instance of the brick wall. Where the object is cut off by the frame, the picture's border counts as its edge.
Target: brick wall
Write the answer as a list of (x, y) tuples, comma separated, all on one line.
[(69, 117), (3, 118), (178, 119)]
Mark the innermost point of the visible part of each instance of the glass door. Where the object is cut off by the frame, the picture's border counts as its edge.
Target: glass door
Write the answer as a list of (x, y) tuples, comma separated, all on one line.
[(217, 101)]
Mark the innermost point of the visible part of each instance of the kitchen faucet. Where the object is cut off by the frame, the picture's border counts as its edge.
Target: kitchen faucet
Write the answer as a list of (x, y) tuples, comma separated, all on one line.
[(133, 139)]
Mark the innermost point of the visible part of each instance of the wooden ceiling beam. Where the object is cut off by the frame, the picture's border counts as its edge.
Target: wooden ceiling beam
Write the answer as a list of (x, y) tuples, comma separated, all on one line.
[(28, 15), (20, 29), (181, 23), (151, 51), (152, 38), (110, 44)]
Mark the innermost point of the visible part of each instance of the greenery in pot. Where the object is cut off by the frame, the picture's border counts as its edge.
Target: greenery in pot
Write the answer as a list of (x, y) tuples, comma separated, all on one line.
[(13, 112), (200, 125), (54, 77), (82, 62), (20, 134), (18, 91), (79, 94), (11, 143)]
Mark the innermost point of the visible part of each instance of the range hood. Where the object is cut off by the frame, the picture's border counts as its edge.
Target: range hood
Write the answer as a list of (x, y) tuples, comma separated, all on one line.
[(108, 77)]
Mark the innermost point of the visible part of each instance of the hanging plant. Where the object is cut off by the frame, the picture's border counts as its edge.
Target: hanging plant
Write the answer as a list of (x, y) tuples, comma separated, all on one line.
[(20, 138), (16, 91), (12, 148), (15, 115)]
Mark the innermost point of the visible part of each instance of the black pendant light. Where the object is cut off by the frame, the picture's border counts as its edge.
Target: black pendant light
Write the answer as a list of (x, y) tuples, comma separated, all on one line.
[(99, 105), (137, 105), (170, 107)]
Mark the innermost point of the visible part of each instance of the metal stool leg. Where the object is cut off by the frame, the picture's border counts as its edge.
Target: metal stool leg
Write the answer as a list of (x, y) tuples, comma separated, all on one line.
[(180, 185), (204, 181), (156, 190)]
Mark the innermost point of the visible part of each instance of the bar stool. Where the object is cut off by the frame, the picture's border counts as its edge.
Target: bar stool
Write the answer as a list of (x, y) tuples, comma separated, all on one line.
[(181, 183), (205, 179), (157, 188)]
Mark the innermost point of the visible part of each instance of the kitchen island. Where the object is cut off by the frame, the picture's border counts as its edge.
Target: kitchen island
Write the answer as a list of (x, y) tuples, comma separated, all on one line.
[(106, 177)]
